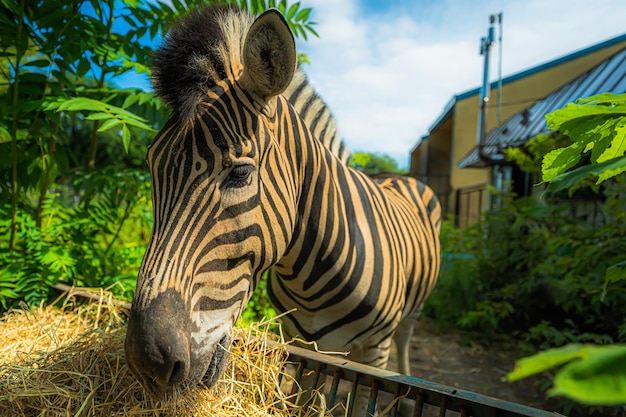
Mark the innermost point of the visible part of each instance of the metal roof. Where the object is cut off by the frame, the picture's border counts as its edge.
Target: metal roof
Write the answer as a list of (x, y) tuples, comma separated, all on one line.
[(447, 111), (608, 76)]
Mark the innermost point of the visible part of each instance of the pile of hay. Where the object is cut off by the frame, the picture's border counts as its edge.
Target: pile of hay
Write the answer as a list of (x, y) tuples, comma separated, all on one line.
[(69, 361)]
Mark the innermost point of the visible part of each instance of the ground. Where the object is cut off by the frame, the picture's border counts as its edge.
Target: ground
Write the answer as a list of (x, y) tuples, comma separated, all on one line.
[(446, 358)]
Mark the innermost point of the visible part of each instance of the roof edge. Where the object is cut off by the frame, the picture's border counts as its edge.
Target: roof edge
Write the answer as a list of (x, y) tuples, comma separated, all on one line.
[(445, 114), (549, 64), (419, 143), (447, 110)]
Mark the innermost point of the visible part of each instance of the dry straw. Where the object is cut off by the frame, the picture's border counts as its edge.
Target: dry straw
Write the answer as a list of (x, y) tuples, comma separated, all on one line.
[(68, 360)]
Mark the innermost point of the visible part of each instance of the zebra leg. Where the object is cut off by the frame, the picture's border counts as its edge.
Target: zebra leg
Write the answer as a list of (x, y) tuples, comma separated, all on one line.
[(402, 337), (312, 390), (304, 387), (375, 354)]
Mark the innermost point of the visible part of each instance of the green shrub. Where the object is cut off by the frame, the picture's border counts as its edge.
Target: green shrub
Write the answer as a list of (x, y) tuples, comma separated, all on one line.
[(536, 272), (98, 242)]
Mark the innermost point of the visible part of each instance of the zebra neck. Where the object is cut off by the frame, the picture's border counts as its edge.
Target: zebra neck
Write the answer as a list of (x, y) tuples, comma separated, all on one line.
[(326, 230)]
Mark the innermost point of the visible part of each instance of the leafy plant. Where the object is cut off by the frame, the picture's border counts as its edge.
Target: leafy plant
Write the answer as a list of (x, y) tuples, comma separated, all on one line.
[(109, 115), (596, 125), (536, 272), (99, 244), (589, 374), (529, 156), (458, 286)]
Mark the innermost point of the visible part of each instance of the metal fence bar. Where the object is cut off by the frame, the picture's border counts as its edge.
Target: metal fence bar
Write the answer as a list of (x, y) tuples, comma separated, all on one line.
[(419, 406), (355, 386), (442, 406), (334, 387), (445, 398), (371, 402)]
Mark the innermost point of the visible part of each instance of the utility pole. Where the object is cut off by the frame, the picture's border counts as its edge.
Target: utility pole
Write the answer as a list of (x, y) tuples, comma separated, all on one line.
[(485, 90), (493, 19)]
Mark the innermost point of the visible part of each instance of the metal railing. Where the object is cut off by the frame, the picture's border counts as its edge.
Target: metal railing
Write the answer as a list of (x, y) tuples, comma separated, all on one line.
[(443, 398)]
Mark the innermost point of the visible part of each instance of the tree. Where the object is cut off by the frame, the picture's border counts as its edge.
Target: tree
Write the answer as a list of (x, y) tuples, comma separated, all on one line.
[(374, 163)]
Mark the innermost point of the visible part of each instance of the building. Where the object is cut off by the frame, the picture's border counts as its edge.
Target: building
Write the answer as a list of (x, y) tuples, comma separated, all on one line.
[(448, 157)]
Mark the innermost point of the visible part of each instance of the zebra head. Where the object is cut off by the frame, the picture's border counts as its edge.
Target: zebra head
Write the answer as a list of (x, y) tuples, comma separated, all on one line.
[(222, 204)]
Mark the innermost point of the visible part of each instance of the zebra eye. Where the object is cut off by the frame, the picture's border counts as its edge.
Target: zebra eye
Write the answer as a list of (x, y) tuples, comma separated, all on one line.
[(239, 175)]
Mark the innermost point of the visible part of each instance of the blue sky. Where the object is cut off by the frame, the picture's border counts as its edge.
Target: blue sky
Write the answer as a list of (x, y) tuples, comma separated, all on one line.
[(388, 68)]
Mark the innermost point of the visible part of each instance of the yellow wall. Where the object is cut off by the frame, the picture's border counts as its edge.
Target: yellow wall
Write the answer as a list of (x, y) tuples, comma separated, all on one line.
[(516, 95), (430, 162)]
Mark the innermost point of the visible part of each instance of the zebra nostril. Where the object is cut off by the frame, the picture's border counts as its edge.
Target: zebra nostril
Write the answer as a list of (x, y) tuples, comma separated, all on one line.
[(178, 373)]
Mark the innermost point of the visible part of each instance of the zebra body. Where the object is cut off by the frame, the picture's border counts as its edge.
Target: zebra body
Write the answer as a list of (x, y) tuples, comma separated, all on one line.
[(241, 184), (359, 263)]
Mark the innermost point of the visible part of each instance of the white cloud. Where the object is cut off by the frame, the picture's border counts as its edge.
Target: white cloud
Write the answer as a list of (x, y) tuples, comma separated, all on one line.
[(387, 76)]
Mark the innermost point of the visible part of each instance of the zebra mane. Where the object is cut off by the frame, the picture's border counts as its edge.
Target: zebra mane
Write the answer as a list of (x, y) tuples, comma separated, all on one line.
[(316, 114), (200, 50)]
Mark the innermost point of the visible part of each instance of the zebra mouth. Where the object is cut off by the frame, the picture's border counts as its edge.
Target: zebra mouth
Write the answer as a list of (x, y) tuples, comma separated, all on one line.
[(163, 394), (218, 363)]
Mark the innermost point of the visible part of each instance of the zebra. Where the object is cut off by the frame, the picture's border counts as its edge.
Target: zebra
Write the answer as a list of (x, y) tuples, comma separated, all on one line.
[(240, 186)]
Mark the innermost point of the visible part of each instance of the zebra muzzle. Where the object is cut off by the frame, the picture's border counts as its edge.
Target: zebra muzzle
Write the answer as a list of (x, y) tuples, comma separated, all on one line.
[(158, 344)]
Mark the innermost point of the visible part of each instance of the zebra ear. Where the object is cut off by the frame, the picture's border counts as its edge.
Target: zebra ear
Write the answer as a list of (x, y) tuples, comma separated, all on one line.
[(269, 55)]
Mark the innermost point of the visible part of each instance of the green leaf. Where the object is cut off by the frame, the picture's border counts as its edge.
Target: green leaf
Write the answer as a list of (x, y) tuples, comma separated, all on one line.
[(617, 144), (560, 160), (597, 379), (109, 124), (129, 101), (58, 262), (63, 78), (596, 124), (544, 361), (614, 273), (99, 116), (126, 138), (292, 11), (79, 104), (38, 63), (102, 111), (282, 7), (605, 99), (145, 97), (603, 171), (561, 119), (309, 27), (5, 136), (303, 59), (83, 67), (610, 169), (32, 77), (590, 374), (303, 15)]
